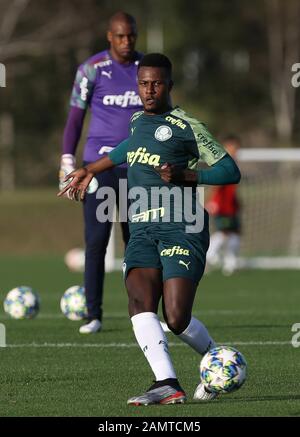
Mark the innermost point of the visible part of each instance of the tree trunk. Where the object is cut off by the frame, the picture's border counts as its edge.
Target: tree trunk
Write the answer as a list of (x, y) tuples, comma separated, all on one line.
[(283, 38), (7, 168)]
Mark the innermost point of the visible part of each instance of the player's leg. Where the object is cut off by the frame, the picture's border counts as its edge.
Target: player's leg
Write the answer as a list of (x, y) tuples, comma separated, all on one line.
[(182, 272), (143, 277), (231, 254), (144, 286), (96, 240), (214, 253), (183, 259), (121, 176), (232, 247), (178, 298)]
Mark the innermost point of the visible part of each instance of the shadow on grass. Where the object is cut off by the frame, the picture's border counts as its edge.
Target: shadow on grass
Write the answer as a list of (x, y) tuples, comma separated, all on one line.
[(229, 399), (235, 326)]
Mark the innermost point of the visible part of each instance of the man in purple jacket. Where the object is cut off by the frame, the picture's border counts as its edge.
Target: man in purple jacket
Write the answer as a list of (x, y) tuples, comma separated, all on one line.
[(107, 84)]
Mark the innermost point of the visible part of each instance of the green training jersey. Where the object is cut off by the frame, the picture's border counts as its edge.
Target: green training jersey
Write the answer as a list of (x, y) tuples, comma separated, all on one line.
[(172, 137)]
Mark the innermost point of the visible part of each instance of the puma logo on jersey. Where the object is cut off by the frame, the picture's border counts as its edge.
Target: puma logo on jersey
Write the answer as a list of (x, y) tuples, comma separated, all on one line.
[(141, 156), (184, 264), (175, 250), (107, 73)]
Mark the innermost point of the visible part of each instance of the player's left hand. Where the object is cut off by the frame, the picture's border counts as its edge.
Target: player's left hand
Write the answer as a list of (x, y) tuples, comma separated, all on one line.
[(176, 175)]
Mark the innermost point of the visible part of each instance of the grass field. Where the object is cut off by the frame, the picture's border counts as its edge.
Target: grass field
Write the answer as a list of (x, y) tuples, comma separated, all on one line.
[(49, 369)]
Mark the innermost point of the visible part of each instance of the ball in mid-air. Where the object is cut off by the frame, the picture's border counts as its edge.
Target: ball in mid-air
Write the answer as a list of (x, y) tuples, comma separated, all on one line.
[(75, 259)]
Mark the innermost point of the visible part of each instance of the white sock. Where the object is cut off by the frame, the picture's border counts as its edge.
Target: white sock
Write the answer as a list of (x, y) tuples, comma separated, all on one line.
[(154, 344), (233, 244), (196, 335), (217, 241), (231, 252)]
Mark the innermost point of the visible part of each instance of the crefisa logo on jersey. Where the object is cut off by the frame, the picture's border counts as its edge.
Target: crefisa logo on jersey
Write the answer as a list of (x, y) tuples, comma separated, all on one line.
[(163, 133), (130, 98)]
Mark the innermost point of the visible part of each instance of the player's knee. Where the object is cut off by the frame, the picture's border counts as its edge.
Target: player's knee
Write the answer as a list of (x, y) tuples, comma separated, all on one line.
[(136, 306), (177, 323), (139, 302)]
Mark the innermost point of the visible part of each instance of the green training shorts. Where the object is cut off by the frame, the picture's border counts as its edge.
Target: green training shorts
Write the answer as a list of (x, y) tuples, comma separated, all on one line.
[(170, 249)]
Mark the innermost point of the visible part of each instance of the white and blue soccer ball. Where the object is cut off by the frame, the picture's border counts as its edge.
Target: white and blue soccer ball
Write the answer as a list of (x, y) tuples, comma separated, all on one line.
[(22, 303), (73, 303), (223, 369)]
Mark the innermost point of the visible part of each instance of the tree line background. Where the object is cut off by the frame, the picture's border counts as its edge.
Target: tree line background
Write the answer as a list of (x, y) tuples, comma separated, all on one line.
[(232, 68)]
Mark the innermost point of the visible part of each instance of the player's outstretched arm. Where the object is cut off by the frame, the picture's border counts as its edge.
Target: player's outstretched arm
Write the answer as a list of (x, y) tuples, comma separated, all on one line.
[(81, 178)]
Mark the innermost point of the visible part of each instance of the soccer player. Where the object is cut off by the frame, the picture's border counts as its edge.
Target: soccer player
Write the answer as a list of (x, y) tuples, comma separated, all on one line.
[(163, 260), (224, 206), (106, 84)]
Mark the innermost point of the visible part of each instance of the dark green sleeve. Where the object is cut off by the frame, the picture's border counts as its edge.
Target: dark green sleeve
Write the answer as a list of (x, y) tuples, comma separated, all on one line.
[(119, 154), (223, 172)]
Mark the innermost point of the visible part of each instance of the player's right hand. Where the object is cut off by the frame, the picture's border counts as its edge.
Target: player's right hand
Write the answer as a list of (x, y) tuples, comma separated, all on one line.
[(78, 183), (177, 175), (67, 165)]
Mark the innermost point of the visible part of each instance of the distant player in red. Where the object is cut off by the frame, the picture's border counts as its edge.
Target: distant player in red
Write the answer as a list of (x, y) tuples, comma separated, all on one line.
[(223, 205)]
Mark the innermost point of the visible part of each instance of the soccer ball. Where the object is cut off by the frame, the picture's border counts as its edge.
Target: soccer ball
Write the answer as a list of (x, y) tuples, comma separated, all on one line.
[(75, 259), (223, 369), (73, 303), (22, 303)]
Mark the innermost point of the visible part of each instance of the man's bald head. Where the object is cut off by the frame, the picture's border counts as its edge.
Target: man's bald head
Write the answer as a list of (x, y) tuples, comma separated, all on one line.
[(122, 17), (122, 35)]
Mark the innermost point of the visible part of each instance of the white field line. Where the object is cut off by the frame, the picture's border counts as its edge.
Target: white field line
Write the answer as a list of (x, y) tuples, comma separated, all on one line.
[(131, 345), (108, 315)]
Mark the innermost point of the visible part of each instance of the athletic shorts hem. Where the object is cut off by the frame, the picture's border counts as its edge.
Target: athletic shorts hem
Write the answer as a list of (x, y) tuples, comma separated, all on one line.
[(181, 275), (139, 266)]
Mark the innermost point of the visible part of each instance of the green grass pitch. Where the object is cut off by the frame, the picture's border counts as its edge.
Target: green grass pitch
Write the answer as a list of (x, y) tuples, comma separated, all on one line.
[(49, 369)]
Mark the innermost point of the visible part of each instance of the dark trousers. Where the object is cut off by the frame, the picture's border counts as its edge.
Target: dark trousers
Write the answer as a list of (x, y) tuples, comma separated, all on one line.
[(96, 240)]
